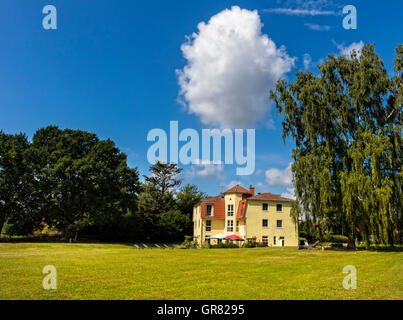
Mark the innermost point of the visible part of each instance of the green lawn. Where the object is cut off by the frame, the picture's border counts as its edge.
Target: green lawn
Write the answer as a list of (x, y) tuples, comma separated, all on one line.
[(108, 271)]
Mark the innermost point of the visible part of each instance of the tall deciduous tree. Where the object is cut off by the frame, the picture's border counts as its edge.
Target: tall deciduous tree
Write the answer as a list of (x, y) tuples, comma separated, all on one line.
[(346, 122), (16, 184), (82, 179)]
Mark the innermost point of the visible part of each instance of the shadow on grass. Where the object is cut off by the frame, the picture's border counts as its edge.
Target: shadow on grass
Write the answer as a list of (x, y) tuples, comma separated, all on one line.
[(397, 248)]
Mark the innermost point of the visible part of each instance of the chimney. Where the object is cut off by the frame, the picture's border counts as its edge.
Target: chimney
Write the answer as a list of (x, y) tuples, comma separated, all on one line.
[(252, 190)]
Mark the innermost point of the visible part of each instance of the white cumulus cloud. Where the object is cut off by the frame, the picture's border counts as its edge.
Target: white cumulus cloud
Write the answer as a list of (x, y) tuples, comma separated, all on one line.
[(231, 67)]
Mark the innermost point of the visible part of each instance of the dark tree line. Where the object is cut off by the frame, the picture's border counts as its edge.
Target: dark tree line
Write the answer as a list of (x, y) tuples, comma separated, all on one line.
[(347, 125), (73, 181)]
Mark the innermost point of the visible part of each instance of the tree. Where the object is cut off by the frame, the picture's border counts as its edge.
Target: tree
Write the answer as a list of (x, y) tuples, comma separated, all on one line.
[(82, 179), (174, 225), (187, 197), (17, 198), (164, 178), (346, 122), (158, 197)]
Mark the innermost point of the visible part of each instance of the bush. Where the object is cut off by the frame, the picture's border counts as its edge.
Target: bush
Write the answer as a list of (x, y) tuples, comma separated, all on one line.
[(223, 245), (254, 245), (335, 238), (249, 245), (187, 243)]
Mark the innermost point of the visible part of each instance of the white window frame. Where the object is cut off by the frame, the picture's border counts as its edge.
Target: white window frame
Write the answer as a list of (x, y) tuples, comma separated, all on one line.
[(274, 240), (208, 225), (230, 210), (230, 225)]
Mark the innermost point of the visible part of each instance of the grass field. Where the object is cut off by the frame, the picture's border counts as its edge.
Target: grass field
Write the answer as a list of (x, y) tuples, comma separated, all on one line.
[(112, 271)]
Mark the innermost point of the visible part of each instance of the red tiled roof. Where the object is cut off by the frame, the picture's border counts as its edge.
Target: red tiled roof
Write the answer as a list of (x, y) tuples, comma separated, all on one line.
[(213, 199), (237, 189), (219, 207), (269, 197)]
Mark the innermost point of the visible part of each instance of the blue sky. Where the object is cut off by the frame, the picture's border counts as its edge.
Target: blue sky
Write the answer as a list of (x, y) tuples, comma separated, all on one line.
[(111, 67)]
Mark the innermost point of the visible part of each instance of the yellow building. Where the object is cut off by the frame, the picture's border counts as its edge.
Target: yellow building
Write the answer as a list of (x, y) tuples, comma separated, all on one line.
[(264, 218)]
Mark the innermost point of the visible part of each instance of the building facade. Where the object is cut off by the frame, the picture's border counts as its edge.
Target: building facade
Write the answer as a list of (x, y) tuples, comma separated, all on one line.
[(264, 218)]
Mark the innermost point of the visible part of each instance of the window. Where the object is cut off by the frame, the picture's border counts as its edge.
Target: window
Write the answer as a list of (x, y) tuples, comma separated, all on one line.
[(207, 239), (265, 223), (282, 242), (230, 210), (274, 240), (279, 207), (208, 225), (265, 206), (230, 225), (265, 241), (279, 223), (237, 226), (209, 210)]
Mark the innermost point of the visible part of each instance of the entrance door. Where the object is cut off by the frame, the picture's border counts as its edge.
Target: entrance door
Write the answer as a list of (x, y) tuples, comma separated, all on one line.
[(282, 242)]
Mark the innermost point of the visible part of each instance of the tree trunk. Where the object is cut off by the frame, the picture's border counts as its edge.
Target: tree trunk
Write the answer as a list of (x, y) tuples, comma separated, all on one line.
[(351, 238), (2, 222)]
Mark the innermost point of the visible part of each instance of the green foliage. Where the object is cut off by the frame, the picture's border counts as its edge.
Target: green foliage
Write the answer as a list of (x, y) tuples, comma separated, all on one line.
[(18, 199), (188, 243), (83, 179), (70, 178), (335, 238), (173, 224), (223, 245), (347, 126), (187, 197), (249, 245)]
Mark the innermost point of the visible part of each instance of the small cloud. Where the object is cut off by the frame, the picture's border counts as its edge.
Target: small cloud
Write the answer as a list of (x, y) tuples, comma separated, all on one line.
[(300, 12), (226, 186), (258, 172), (347, 51), (280, 178), (290, 194), (307, 61), (318, 27), (205, 169), (262, 187)]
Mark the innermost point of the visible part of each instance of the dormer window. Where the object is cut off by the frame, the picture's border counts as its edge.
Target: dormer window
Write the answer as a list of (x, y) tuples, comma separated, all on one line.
[(209, 210)]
